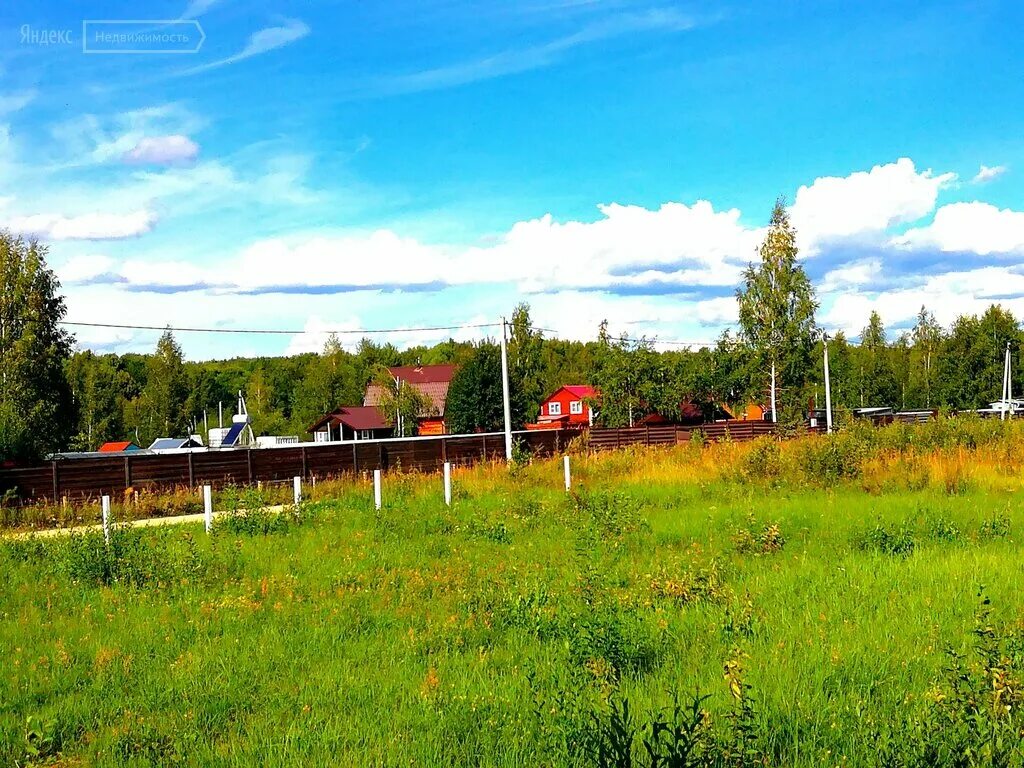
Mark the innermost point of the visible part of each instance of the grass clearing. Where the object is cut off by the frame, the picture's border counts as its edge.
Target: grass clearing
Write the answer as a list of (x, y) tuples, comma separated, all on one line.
[(528, 626)]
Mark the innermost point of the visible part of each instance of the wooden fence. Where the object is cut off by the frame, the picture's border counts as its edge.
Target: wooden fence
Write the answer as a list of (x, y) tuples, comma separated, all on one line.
[(99, 475), (739, 431), (112, 475)]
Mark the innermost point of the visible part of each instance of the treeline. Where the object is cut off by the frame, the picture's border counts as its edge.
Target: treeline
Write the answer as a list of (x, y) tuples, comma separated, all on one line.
[(53, 397)]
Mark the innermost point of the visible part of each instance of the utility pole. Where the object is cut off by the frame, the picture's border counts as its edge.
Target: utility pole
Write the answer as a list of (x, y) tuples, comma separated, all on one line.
[(828, 388), (1006, 385), (774, 418), (504, 392)]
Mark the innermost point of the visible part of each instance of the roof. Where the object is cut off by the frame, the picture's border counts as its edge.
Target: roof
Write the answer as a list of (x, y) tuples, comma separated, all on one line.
[(579, 390), (172, 443), (431, 380), (118, 446), (354, 417)]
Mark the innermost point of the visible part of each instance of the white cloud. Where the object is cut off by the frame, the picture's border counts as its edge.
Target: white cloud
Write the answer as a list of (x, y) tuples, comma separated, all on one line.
[(90, 226), (674, 247), (978, 228), (852, 274), (80, 269), (14, 102), (263, 41), (987, 173), (316, 333), (163, 150), (865, 203)]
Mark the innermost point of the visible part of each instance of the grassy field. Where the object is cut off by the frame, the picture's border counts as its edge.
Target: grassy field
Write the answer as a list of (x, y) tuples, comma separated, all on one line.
[(823, 595)]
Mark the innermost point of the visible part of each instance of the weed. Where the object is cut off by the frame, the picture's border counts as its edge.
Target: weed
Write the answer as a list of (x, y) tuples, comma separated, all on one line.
[(754, 539), (996, 526), (888, 540)]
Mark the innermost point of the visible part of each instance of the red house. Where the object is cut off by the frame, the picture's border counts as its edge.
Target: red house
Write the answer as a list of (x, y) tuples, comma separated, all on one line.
[(567, 407)]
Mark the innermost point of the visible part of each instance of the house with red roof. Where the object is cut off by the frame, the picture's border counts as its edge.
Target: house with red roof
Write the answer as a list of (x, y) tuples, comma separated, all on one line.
[(432, 381), (568, 407), (351, 422), (119, 446)]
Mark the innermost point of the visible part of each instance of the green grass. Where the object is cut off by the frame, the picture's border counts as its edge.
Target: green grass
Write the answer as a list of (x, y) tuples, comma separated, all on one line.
[(506, 630)]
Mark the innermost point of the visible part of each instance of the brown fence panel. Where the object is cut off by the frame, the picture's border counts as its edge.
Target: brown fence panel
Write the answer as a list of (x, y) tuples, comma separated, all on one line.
[(223, 467), (467, 450), (158, 470), (28, 482), (547, 442), (329, 459), (276, 464), (94, 478)]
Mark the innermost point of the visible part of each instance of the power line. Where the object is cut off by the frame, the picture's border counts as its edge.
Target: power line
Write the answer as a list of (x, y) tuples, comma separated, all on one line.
[(277, 331)]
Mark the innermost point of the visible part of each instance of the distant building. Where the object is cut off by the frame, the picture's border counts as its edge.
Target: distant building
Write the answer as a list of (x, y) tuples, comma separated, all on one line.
[(432, 381), (119, 446), (356, 422), (568, 407), (175, 443)]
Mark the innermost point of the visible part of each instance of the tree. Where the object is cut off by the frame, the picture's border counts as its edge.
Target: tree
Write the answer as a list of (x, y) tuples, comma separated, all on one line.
[(632, 380), (333, 378), (36, 408), (524, 362), (878, 384), (926, 338), (474, 401), (401, 402), (97, 387), (162, 407), (970, 364), (776, 311)]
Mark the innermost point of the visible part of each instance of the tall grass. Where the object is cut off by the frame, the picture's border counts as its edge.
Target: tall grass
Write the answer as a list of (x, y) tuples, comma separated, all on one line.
[(722, 605)]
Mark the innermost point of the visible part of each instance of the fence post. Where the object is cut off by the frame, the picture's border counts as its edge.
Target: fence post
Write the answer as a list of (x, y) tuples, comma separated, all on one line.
[(56, 482), (105, 507), (447, 484), (484, 447), (191, 471), (208, 507), (127, 472), (297, 489), (304, 471), (355, 460), (568, 474), (248, 463), (376, 489)]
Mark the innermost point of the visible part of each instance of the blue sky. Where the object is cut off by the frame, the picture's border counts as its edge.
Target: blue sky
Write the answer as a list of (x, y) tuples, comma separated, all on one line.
[(365, 165)]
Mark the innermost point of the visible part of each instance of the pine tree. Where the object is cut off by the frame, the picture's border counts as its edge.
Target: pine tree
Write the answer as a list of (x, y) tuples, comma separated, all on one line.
[(36, 409)]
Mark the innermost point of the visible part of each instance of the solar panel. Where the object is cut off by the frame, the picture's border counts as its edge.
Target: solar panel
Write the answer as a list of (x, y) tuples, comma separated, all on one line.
[(233, 434)]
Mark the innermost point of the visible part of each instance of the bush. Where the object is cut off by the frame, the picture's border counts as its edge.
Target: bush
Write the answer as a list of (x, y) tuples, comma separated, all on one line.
[(764, 460), (888, 540), (758, 540)]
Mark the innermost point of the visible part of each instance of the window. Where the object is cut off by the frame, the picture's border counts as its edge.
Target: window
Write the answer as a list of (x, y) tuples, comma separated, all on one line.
[(576, 407), (554, 409), (365, 434)]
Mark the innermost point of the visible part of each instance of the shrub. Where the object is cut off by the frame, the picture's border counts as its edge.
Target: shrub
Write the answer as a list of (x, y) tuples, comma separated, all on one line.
[(888, 540), (758, 540), (995, 527), (764, 459)]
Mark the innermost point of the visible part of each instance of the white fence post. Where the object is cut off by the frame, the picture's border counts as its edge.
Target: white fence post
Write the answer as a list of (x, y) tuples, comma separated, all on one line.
[(208, 507), (297, 490), (568, 475), (376, 489), (448, 483), (105, 506)]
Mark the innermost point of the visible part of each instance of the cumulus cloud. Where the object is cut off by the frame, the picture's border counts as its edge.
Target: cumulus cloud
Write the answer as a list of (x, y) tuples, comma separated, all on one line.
[(89, 226), (13, 102), (864, 204), (976, 227), (163, 150), (987, 173), (675, 247)]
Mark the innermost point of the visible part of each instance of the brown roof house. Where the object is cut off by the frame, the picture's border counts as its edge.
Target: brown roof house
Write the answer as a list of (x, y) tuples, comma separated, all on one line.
[(351, 422), (432, 381)]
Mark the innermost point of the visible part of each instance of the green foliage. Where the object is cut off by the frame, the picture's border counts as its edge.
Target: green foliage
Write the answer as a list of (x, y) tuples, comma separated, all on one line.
[(776, 314), (888, 540), (633, 380), (36, 409), (475, 394)]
